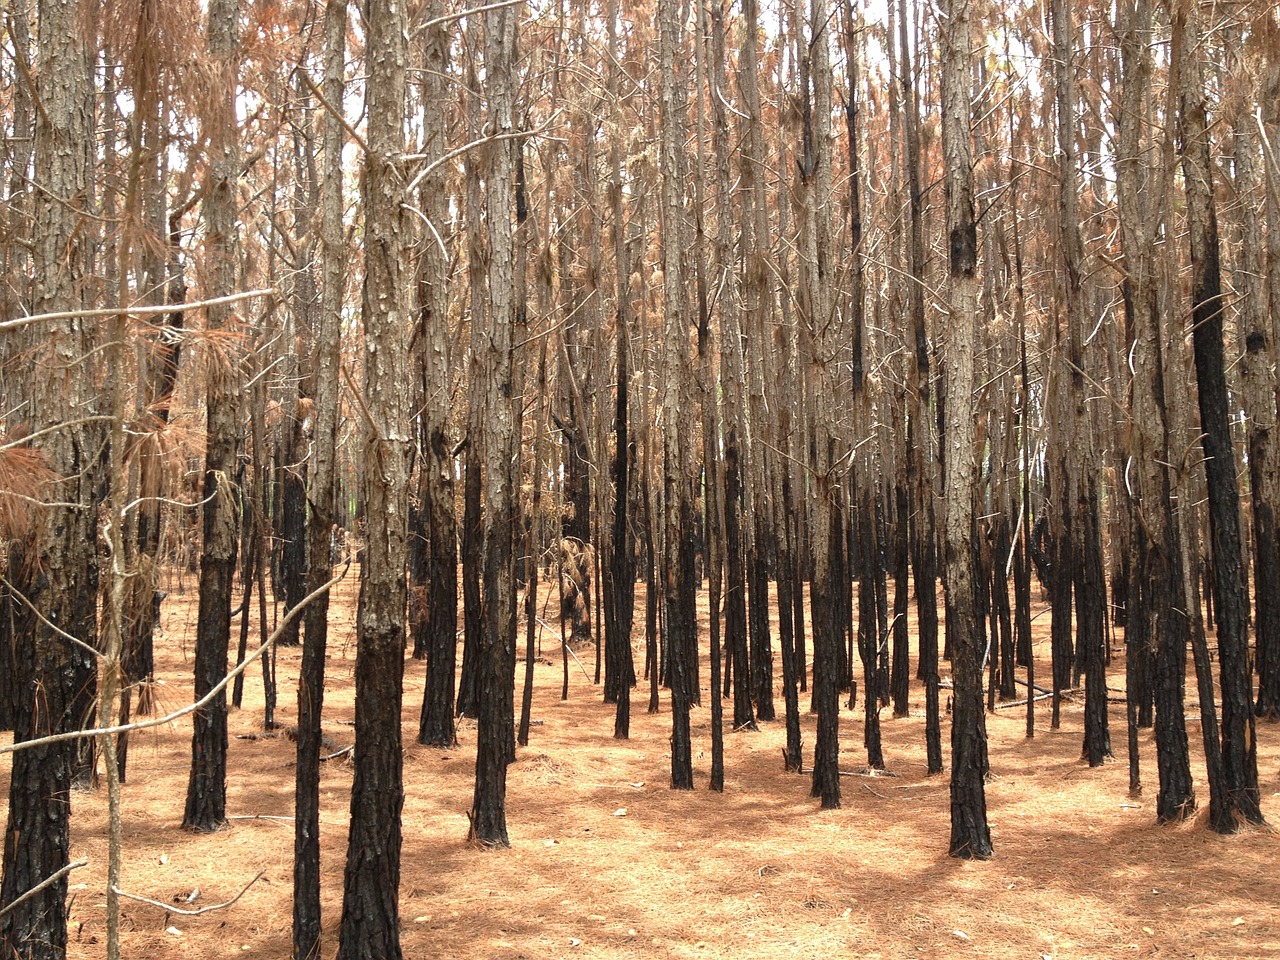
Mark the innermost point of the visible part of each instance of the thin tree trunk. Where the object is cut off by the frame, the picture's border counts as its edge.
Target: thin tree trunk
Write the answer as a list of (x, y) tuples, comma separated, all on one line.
[(495, 735), (207, 787), (970, 836), (326, 357)]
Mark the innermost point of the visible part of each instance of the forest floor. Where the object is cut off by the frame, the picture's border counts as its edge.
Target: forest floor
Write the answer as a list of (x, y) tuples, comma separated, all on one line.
[(608, 861)]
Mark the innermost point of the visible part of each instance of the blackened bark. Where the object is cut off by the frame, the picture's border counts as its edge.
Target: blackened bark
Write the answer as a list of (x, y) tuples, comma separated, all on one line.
[(900, 674), (970, 836), (321, 496), (1001, 613), (761, 637), (735, 598), (293, 525), (619, 567), (868, 632), (492, 349), (792, 754), (471, 540), (826, 671), (207, 787), (370, 925), (619, 570), (1239, 747), (436, 726), (1091, 598), (682, 642), (37, 831), (54, 569)]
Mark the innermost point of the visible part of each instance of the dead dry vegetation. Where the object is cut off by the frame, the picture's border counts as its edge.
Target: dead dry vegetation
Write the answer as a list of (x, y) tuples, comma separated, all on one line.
[(607, 861)]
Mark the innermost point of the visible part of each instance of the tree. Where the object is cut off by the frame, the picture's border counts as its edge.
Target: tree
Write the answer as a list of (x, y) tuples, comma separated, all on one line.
[(54, 566), (306, 858), (495, 736), (436, 727), (677, 471), (970, 836), (371, 884), (206, 807), (1231, 601), (1154, 618), (818, 337)]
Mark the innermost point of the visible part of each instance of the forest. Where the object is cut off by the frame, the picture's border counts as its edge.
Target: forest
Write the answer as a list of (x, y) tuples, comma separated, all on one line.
[(387, 387)]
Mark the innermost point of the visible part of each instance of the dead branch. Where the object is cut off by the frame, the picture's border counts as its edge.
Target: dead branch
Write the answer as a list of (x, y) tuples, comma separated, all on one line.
[(170, 908), (138, 311), (47, 881), (191, 707)]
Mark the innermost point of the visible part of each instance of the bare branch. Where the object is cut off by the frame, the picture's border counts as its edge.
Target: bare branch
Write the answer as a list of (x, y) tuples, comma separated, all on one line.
[(191, 707), (136, 311), (47, 881), (45, 620), (188, 913), (449, 18), (436, 164)]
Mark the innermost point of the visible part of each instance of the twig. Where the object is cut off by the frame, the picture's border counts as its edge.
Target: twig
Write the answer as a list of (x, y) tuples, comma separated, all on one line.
[(170, 908), (261, 816), (336, 754), (46, 621), (459, 151), (565, 643), (47, 881)]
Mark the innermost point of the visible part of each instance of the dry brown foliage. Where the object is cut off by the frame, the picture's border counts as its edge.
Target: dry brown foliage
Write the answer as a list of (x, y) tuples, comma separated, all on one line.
[(24, 482)]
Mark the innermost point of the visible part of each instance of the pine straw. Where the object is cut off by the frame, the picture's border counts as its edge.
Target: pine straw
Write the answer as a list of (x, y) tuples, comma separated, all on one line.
[(25, 480), (1081, 871)]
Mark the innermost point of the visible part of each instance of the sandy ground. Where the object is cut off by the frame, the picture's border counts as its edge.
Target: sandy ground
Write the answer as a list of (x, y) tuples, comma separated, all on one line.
[(607, 861)]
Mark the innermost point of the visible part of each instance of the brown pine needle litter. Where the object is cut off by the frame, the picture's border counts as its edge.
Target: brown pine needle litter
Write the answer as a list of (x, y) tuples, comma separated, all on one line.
[(1081, 870)]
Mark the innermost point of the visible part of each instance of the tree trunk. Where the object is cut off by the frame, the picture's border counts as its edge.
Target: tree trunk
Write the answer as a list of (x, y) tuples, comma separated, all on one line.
[(57, 571), (371, 883), (436, 726), (1239, 748), (970, 837), (495, 734), (207, 787), (327, 356)]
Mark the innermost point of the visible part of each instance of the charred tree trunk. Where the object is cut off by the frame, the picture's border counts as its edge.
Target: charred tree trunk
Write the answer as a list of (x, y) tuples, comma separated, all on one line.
[(970, 836), (678, 589), (495, 734), (207, 786), (327, 356), (436, 724), (1231, 606), (56, 570), (371, 882)]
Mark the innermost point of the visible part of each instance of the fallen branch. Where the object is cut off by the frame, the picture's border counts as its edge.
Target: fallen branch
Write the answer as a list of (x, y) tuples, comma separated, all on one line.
[(47, 881), (1022, 703), (170, 908), (261, 816)]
